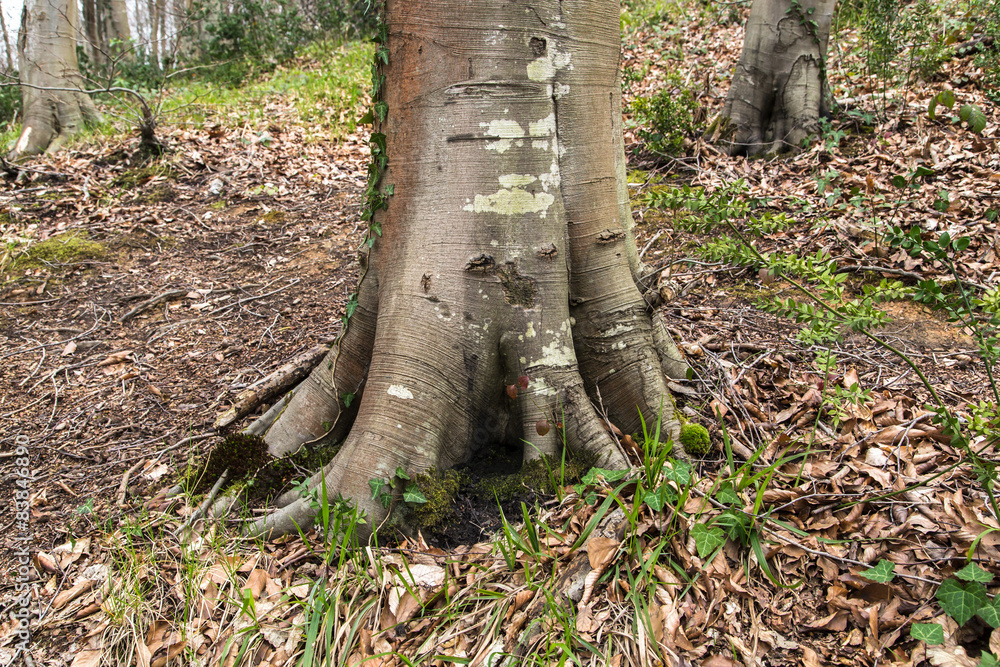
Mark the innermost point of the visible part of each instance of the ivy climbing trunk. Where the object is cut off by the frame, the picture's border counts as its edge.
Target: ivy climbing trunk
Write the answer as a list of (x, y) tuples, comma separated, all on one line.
[(54, 106), (779, 89), (500, 249)]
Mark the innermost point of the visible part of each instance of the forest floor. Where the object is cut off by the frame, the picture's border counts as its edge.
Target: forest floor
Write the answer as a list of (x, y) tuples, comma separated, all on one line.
[(139, 297)]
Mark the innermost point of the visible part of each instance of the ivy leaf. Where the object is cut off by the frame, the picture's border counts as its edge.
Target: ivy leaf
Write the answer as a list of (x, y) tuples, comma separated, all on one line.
[(945, 97), (653, 500), (367, 118), (413, 494), (973, 572), (401, 474), (990, 613), (679, 472), (961, 601), (882, 572), (727, 495), (375, 485), (929, 633), (609, 476), (707, 540), (348, 398), (987, 660)]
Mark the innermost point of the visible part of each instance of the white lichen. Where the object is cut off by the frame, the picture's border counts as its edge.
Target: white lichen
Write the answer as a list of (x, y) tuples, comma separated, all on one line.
[(399, 391)]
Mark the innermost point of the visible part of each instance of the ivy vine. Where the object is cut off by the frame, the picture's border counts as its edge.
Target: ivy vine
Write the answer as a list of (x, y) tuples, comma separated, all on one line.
[(376, 197)]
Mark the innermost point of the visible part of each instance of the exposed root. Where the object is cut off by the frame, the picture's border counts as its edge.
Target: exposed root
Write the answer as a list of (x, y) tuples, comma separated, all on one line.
[(324, 403)]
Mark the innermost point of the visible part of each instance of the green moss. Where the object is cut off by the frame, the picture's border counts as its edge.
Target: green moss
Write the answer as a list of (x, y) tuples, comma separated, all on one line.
[(242, 455), (253, 468), (278, 473), (66, 248), (440, 490), (694, 438), (142, 175), (537, 476), (218, 205), (272, 218)]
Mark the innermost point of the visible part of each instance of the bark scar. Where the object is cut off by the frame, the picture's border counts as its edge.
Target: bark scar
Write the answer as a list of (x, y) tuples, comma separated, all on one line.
[(610, 236), (483, 263), (547, 252)]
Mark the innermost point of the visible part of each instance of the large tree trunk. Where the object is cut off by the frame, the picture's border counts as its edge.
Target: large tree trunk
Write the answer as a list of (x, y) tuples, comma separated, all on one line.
[(54, 107), (779, 88), (506, 251)]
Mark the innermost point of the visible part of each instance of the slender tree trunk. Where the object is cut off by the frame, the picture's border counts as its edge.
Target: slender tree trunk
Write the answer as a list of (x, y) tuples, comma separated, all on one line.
[(93, 23), (53, 110), (779, 88), (154, 32), (506, 251), (7, 46)]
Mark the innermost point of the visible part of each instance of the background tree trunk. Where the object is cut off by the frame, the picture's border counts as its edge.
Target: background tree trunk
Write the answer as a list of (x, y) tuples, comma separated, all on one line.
[(779, 88), (7, 47), (118, 27), (53, 112), (504, 253), (93, 23)]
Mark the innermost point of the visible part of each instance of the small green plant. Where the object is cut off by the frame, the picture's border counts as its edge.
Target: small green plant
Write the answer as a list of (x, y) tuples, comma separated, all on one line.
[(663, 120), (700, 210), (962, 597), (968, 114), (384, 489)]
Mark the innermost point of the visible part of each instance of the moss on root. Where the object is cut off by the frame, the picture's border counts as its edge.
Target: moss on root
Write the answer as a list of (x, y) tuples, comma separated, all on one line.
[(540, 475), (252, 468), (440, 490)]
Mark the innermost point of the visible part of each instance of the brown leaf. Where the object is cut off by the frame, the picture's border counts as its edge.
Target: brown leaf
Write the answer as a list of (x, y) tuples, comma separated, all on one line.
[(601, 551), (87, 659)]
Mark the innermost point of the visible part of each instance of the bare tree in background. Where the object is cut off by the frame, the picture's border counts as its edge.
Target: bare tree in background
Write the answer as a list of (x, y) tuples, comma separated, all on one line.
[(6, 43), (54, 105), (779, 88), (107, 29)]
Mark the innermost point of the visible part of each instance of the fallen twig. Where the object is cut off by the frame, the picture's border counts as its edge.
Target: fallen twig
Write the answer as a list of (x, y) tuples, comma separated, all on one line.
[(277, 382)]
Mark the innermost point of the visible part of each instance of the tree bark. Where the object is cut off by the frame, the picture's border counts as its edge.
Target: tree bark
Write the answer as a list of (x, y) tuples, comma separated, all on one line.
[(506, 251), (54, 109), (118, 27), (779, 88), (93, 23), (7, 48)]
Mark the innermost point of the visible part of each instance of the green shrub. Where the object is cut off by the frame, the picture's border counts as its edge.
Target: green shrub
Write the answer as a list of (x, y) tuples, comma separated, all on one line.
[(10, 103), (663, 120)]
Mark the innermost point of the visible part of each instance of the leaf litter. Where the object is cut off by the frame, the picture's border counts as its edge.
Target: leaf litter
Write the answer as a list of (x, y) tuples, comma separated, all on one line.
[(219, 243)]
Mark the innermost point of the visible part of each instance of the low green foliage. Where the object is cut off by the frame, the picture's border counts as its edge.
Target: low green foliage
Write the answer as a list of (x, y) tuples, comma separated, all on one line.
[(663, 120)]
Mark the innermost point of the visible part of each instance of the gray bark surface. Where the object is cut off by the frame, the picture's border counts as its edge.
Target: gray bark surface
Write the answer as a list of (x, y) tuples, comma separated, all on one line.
[(506, 251), (49, 72), (779, 88)]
